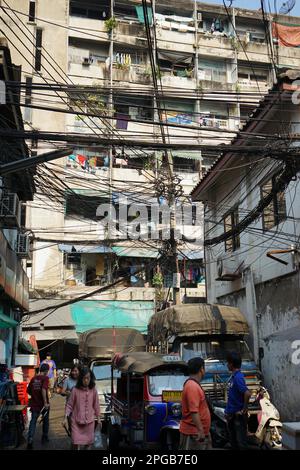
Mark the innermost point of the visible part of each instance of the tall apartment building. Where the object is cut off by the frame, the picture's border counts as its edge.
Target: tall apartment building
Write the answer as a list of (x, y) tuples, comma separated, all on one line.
[(213, 67)]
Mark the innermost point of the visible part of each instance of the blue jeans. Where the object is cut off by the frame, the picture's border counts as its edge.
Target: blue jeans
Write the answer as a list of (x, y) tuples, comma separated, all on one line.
[(32, 425)]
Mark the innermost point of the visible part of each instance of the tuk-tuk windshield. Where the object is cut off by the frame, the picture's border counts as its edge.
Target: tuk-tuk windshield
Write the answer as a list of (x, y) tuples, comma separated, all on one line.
[(166, 380), (103, 372), (215, 350)]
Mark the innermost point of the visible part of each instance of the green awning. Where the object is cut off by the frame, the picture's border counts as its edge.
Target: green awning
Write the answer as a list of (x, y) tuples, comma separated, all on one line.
[(92, 314), (135, 252), (189, 154), (7, 322)]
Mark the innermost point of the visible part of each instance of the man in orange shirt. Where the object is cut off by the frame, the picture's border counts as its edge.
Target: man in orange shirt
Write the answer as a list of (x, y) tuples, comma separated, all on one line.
[(196, 419)]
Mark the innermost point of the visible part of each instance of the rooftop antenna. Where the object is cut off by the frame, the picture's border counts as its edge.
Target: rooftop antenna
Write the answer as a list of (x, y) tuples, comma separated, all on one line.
[(287, 6)]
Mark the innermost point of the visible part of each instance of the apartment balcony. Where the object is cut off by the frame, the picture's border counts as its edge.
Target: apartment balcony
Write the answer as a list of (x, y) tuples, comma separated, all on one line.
[(87, 28), (130, 32), (215, 85), (131, 75), (175, 40), (253, 86), (131, 293), (175, 81), (86, 70)]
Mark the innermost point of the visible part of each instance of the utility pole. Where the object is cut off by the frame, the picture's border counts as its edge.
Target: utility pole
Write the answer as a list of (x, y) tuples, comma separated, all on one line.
[(110, 110), (171, 192)]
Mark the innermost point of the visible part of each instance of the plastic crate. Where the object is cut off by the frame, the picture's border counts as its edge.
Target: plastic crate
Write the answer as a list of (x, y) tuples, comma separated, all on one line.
[(23, 397)]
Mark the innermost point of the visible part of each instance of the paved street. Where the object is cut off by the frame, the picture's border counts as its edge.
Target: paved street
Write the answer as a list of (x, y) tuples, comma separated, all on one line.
[(57, 435)]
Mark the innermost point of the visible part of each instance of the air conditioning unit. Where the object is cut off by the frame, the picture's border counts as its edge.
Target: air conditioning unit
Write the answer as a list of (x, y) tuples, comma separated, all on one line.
[(10, 209), (229, 269), (87, 61), (22, 245)]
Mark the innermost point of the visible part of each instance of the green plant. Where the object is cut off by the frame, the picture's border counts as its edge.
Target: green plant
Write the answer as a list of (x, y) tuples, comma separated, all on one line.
[(122, 66), (235, 43), (110, 24), (157, 280), (237, 87)]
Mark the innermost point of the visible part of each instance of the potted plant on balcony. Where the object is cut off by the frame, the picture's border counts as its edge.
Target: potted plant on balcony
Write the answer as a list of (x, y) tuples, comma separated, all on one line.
[(110, 24)]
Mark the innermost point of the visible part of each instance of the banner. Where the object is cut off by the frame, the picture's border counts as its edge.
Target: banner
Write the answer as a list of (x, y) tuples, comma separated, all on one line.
[(287, 35)]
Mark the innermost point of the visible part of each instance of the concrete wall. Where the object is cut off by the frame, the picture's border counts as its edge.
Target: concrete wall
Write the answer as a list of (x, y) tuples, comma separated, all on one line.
[(267, 291)]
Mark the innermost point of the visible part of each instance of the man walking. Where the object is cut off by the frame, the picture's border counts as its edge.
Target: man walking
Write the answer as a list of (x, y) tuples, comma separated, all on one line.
[(39, 393), (52, 370), (196, 419), (237, 403)]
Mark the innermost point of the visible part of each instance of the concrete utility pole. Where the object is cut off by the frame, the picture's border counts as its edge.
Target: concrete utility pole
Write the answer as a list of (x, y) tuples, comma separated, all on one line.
[(168, 155), (110, 110)]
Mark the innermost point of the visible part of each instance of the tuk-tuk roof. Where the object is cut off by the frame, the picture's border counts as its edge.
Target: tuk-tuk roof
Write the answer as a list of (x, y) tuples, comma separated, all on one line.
[(142, 362), (105, 342), (196, 319)]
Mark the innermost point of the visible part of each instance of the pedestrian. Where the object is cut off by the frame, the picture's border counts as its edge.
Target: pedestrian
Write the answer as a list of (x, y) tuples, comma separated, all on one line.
[(52, 370), (71, 381), (38, 389), (196, 419), (83, 408), (68, 385), (236, 410)]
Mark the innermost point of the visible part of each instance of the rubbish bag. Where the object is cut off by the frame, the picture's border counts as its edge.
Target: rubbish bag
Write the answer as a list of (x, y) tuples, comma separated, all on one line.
[(98, 441)]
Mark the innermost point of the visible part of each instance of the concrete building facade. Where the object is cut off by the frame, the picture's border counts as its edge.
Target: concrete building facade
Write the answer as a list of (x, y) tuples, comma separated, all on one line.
[(213, 68), (257, 269)]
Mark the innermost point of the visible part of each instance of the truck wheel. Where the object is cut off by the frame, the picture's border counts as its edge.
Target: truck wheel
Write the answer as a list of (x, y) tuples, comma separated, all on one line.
[(114, 437)]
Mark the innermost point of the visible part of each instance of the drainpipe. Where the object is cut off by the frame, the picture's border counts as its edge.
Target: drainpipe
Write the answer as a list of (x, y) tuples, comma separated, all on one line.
[(252, 311), (196, 71)]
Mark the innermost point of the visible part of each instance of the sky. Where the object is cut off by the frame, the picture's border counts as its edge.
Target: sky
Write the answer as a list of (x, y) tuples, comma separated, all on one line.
[(255, 5)]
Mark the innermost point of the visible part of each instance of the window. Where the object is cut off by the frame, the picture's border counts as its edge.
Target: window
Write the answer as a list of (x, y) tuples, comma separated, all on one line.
[(38, 49), (72, 260), (230, 221), (82, 205), (31, 16), (275, 212), (28, 91)]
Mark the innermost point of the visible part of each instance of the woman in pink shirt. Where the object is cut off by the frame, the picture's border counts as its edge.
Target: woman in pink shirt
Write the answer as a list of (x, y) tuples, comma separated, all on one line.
[(83, 408)]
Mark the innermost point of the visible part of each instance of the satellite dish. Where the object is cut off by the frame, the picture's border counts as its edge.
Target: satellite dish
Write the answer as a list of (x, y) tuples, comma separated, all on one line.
[(287, 7)]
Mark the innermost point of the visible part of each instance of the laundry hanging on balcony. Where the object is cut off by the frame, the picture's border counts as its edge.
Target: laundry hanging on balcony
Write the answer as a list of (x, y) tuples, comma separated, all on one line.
[(287, 35)]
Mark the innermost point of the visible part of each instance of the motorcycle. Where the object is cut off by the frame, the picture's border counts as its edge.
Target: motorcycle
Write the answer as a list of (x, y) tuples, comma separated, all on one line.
[(62, 375), (268, 432), (263, 419)]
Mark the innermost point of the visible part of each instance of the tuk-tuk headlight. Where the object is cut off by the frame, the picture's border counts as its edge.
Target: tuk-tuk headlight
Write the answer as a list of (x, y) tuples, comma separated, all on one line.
[(176, 409), (150, 409)]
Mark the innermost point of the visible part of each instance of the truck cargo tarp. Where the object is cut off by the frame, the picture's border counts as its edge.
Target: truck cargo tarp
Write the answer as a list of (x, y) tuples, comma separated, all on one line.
[(91, 314), (193, 319), (104, 342)]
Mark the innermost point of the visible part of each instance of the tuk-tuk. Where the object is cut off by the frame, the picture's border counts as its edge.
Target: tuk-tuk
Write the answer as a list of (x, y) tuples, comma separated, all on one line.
[(146, 405), (97, 348)]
